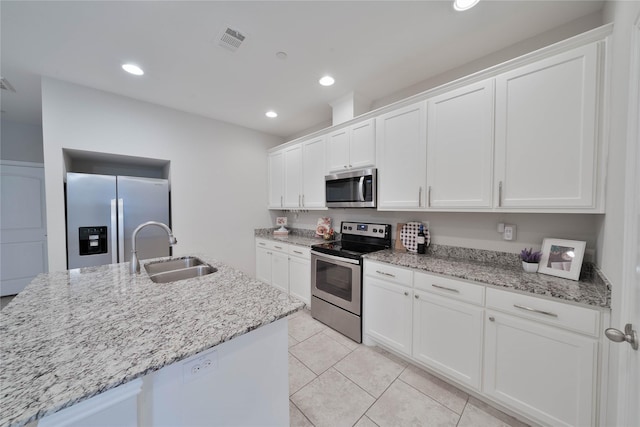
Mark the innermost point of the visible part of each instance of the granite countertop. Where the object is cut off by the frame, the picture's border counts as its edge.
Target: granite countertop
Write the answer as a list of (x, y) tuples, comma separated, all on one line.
[(71, 335), (592, 290), (297, 237)]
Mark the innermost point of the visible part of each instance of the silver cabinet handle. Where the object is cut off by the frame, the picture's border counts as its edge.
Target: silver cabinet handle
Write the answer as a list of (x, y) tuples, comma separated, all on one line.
[(350, 166), (417, 296), (419, 196), (299, 202), (303, 200), (446, 289), (280, 201), (524, 307), (297, 252), (385, 274), (345, 166), (262, 244), (278, 247), (500, 194), (429, 196), (406, 293), (492, 319)]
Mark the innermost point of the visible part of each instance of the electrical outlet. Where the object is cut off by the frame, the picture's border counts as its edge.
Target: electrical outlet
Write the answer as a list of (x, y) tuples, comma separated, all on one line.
[(509, 232), (199, 366)]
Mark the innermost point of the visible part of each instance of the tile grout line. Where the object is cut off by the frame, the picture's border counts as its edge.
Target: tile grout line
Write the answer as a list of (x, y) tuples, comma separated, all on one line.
[(434, 399), (300, 410)]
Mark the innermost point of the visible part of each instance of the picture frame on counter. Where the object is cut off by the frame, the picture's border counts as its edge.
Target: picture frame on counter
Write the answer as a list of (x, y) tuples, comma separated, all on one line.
[(562, 258)]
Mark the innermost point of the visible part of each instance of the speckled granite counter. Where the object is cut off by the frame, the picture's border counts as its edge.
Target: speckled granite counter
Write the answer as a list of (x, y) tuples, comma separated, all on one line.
[(296, 237), (592, 290), (71, 335)]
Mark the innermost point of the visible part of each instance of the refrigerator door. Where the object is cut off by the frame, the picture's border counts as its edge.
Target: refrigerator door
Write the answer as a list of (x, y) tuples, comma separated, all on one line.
[(142, 200), (89, 210)]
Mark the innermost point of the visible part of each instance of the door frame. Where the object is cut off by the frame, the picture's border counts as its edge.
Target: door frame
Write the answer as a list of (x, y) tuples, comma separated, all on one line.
[(627, 387)]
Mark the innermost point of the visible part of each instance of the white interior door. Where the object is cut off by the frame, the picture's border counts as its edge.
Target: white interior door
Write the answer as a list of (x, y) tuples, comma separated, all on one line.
[(628, 411), (23, 248)]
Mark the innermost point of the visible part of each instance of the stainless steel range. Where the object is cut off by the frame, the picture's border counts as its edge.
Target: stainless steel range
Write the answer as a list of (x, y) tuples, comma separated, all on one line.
[(336, 275)]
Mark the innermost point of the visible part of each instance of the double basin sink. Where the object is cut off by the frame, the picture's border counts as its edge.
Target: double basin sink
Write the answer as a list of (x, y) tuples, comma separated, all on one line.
[(172, 270)]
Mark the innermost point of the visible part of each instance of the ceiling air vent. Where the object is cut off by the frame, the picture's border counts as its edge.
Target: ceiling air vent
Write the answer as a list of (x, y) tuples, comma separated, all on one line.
[(231, 39), (5, 85)]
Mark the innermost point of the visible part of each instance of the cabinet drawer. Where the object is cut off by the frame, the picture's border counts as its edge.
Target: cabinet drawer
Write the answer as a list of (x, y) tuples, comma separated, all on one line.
[(579, 319), (272, 245), (300, 251), (388, 272), (452, 288)]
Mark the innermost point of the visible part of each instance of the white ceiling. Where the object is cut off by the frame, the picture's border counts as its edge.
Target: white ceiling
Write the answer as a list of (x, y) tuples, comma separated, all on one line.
[(374, 48)]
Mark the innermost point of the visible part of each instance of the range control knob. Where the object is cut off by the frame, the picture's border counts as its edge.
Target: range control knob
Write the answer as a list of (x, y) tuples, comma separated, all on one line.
[(375, 230)]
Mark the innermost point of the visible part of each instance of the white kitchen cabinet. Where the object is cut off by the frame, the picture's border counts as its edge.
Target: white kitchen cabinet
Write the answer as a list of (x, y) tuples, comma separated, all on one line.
[(285, 267), (402, 158), (546, 133), (293, 176), (276, 179), (313, 171), (387, 310), (460, 148), (541, 371), (447, 336), (300, 278), (352, 147)]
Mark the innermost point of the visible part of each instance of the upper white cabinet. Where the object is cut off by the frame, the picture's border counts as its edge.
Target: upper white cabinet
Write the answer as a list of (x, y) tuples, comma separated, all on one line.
[(460, 147), (352, 147), (313, 155), (293, 177), (546, 133), (402, 158), (276, 179), (296, 176)]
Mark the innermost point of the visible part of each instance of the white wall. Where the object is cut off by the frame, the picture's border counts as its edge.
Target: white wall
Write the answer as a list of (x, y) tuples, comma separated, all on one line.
[(217, 173), (21, 142), (470, 230)]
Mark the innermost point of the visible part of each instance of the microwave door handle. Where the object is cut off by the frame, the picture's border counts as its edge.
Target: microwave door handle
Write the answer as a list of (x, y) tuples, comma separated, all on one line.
[(361, 189)]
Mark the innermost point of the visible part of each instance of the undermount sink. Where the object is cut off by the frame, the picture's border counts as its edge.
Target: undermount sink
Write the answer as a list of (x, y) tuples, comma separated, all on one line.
[(178, 269)]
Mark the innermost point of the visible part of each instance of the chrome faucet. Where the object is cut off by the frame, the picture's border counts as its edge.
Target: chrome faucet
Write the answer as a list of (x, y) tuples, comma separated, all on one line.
[(135, 264)]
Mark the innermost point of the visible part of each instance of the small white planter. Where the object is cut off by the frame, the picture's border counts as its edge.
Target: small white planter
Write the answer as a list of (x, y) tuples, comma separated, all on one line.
[(530, 267)]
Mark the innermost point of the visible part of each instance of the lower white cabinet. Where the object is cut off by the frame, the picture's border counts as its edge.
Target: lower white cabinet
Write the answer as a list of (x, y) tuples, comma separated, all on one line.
[(535, 356), (447, 336), (388, 308), (285, 267)]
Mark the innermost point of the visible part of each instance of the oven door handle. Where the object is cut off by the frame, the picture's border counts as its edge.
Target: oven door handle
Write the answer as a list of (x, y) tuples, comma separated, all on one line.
[(335, 258)]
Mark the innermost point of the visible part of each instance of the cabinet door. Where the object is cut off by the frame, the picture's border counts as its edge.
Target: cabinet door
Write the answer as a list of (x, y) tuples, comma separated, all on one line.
[(276, 179), (300, 279), (263, 264), (362, 144), (460, 148), (546, 121), (447, 336), (293, 177), (280, 271), (313, 173), (540, 370), (402, 158), (387, 314), (338, 150)]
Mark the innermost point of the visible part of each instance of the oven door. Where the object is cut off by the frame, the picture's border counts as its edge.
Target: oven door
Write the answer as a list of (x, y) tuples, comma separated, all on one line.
[(337, 280)]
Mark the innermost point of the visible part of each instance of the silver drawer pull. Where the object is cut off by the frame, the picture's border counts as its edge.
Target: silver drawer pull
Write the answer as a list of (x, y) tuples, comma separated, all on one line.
[(406, 294), (385, 274), (524, 307), (262, 244), (278, 247), (446, 289), (297, 252)]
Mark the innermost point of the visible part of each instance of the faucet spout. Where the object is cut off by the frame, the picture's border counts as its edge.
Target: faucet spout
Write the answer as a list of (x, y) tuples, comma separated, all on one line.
[(135, 263)]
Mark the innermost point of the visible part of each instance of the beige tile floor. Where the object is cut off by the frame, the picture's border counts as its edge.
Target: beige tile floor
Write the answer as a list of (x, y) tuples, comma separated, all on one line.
[(334, 382)]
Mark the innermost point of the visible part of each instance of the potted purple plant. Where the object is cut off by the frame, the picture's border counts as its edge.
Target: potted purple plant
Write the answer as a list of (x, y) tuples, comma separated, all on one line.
[(530, 260)]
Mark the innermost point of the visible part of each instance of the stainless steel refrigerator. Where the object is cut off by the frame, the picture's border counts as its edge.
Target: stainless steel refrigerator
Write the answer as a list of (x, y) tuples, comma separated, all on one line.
[(103, 211)]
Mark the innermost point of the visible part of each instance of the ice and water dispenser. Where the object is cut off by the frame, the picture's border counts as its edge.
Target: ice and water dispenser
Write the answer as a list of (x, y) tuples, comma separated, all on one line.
[(93, 240)]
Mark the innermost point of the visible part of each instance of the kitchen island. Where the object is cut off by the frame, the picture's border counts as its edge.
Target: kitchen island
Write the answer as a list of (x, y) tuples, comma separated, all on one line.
[(72, 335)]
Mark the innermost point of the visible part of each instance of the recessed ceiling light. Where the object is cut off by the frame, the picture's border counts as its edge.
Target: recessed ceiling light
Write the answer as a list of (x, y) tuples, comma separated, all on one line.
[(326, 81), (281, 55), (461, 5), (271, 114), (132, 69)]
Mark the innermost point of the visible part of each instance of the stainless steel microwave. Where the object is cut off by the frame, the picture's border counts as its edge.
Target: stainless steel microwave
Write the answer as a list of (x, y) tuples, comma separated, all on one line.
[(353, 189)]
